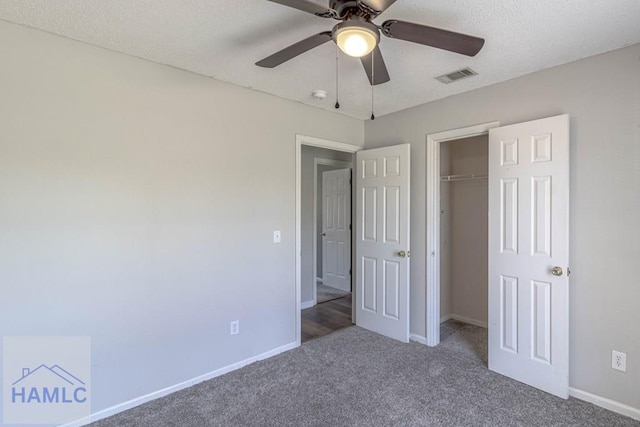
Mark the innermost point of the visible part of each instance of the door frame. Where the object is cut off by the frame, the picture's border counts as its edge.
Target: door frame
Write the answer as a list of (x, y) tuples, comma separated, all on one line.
[(325, 162), (322, 143), (432, 254)]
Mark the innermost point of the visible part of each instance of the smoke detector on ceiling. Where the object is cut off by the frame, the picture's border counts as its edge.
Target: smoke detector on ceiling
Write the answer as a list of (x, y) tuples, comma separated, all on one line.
[(456, 75), (319, 94)]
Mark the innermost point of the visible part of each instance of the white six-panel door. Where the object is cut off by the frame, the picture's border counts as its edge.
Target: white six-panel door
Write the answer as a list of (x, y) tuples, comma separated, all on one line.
[(382, 241), (336, 230), (529, 253)]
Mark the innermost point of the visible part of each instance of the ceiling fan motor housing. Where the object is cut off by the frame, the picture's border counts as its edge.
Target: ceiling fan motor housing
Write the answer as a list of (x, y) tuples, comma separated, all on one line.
[(344, 8)]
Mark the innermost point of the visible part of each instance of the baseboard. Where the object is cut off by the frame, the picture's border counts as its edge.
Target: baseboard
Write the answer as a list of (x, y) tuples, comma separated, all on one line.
[(307, 304), (177, 387), (319, 279), (603, 402), (445, 318), (338, 289), (465, 320), (418, 338)]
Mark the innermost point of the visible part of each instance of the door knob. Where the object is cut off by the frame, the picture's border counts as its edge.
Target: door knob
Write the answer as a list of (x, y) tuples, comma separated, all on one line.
[(556, 271), (402, 254), (323, 234)]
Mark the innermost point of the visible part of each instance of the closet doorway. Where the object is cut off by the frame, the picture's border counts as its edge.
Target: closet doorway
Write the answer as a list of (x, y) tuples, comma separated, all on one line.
[(470, 171), (464, 231)]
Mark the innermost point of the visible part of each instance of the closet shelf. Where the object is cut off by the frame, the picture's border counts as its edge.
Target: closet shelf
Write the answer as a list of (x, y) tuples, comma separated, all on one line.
[(467, 177)]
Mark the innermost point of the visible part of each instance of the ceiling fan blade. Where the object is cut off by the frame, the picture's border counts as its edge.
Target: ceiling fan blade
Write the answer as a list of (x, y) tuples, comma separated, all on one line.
[(380, 72), (435, 37), (294, 50), (378, 6), (306, 6)]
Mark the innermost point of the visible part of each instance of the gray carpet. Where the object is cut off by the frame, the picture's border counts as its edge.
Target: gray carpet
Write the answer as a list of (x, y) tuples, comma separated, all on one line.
[(327, 293), (357, 378)]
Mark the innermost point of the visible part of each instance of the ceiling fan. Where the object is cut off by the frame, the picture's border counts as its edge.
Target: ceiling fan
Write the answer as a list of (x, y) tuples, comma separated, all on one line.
[(357, 36)]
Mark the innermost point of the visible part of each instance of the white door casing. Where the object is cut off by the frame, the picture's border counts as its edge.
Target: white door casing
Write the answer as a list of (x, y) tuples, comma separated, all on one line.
[(528, 238), (382, 240), (336, 228)]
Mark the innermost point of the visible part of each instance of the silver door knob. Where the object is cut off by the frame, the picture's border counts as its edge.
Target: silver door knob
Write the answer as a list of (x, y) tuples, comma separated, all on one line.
[(323, 234), (402, 254), (556, 271)]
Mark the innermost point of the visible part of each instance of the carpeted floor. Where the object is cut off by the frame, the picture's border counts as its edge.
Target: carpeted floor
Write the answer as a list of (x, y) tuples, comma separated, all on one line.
[(357, 378), (327, 293)]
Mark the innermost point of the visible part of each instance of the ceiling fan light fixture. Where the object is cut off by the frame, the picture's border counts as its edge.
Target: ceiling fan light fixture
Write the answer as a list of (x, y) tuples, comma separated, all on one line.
[(357, 38)]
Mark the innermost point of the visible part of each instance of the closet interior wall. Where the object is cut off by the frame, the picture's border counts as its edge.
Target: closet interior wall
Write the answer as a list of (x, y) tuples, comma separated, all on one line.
[(464, 230)]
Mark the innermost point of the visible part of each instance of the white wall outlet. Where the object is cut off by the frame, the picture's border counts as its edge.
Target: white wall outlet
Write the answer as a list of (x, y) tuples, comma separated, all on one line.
[(235, 327), (619, 361), (277, 238)]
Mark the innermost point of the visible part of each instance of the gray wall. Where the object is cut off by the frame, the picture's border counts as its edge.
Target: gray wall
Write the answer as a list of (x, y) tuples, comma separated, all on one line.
[(466, 219), (137, 206), (306, 211), (602, 96)]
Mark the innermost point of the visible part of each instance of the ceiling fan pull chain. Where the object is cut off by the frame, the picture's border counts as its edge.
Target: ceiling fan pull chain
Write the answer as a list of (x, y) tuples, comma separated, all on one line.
[(373, 82), (337, 103)]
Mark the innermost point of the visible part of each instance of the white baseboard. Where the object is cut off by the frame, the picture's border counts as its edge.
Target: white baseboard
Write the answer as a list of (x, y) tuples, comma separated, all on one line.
[(605, 403), (418, 338), (445, 318), (464, 320), (319, 279), (306, 304), (177, 387)]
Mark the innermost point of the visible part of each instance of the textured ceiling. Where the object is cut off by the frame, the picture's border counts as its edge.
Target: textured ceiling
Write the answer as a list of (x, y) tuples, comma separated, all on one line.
[(223, 40)]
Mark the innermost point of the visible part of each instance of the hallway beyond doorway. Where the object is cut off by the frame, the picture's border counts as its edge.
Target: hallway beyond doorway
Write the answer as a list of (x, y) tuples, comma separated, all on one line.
[(323, 319)]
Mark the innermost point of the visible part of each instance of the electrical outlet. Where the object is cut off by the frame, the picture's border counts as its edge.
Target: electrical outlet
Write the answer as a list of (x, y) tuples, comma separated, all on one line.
[(235, 327), (619, 361)]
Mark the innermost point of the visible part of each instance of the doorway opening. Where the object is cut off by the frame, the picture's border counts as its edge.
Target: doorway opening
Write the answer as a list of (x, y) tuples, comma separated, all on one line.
[(324, 237), (332, 225), (467, 166), (464, 238), (329, 308)]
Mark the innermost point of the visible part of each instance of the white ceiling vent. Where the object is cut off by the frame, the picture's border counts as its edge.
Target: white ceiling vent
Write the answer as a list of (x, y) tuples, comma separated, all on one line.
[(456, 75)]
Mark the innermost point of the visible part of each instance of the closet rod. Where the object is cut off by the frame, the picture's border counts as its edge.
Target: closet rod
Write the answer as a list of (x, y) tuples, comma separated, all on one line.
[(466, 177)]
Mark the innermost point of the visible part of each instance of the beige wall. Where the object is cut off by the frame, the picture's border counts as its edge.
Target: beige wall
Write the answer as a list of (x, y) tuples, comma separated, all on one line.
[(137, 206), (466, 219), (445, 234), (602, 96)]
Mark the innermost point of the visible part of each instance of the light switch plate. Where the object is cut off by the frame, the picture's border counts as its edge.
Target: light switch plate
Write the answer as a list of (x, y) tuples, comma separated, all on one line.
[(276, 236)]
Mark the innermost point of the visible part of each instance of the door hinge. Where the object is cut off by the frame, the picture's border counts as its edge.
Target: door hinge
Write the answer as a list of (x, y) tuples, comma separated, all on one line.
[(349, 226), (349, 272)]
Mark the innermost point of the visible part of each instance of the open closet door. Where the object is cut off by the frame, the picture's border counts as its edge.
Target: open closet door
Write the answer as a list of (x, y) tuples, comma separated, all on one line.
[(382, 241), (529, 253)]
